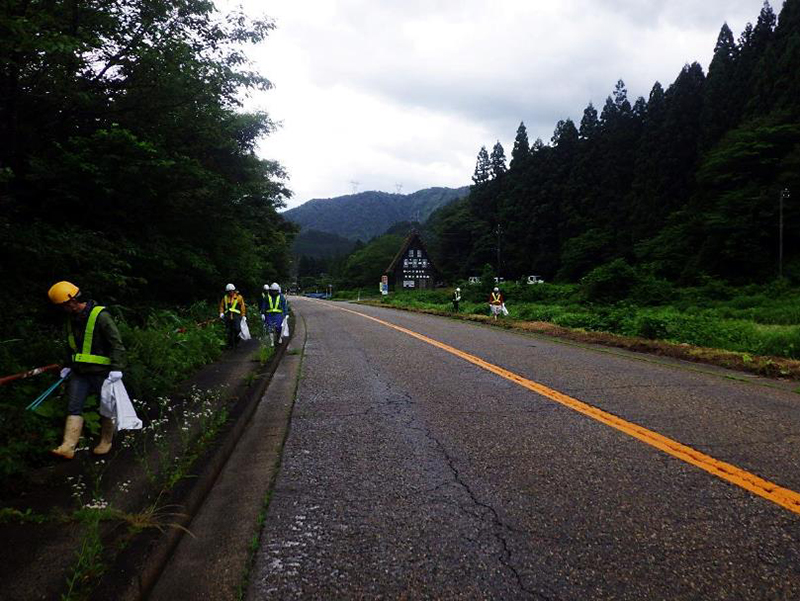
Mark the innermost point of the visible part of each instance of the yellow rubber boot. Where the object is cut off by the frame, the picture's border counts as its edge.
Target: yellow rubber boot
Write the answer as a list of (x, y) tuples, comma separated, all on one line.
[(106, 436), (72, 432)]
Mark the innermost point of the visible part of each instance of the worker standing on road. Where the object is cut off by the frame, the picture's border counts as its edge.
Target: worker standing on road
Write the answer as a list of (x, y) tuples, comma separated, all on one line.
[(97, 355), (456, 299), (275, 309), (496, 302), (231, 310)]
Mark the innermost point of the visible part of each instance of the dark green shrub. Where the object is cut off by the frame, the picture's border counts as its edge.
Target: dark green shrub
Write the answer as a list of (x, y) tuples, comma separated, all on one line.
[(651, 327), (649, 290), (608, 283)]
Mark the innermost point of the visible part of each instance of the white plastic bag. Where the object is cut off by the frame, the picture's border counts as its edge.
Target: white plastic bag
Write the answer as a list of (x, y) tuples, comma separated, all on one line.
[(116, 404), (503, 309), (285, 327), (244, 331)]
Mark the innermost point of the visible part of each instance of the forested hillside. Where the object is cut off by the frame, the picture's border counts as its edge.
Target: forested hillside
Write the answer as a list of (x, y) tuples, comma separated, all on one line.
[(318, 245), (684, 184), (127, 163), (368, 214)]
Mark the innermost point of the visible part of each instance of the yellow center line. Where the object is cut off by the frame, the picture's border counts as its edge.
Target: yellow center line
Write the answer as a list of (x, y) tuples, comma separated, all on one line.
[(784, 497)]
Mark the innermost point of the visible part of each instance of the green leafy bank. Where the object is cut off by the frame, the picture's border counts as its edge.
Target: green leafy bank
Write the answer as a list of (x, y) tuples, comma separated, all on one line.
[(164, 347), (752, 320)]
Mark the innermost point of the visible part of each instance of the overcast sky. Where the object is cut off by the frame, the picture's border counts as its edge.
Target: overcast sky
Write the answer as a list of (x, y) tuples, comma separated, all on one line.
[(391, 93)]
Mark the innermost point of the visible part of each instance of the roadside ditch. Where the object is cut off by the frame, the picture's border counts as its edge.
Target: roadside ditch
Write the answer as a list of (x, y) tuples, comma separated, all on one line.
[(104, 527)]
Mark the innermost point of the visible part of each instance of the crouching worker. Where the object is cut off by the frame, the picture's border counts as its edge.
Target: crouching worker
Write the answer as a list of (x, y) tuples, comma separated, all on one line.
[(97, 355)]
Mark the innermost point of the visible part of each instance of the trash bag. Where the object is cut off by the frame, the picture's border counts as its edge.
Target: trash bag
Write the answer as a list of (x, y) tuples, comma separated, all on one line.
[(244, 331), (116, 404), (503, 309), (285, 327)]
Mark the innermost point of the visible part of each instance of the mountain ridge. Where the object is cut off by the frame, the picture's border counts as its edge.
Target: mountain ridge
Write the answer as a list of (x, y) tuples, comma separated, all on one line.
[(364, 215)]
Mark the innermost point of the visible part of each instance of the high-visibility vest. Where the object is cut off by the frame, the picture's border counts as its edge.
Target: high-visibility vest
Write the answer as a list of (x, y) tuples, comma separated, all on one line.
[(495, 299), (274, 307), (233, 305), (86, 355)]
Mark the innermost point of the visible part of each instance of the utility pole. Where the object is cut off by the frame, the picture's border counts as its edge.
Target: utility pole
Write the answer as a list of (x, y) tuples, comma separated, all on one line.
[(398, 187), (785, 194), (498, 231), (354, 183)]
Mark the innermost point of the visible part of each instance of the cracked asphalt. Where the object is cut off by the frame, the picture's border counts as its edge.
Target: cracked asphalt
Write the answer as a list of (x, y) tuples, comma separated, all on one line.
[(409, 473)]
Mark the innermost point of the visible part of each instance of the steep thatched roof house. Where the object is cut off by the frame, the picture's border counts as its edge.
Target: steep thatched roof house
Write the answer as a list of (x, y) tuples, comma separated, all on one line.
[(412, 268)]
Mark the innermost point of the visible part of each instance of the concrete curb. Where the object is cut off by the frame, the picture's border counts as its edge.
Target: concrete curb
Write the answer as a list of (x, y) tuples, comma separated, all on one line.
[(138, 567), (214, 564)]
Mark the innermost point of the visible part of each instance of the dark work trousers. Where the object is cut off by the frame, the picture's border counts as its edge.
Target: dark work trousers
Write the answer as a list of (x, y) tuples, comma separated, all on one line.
[(80, 387), (233, 325), (455, 306)]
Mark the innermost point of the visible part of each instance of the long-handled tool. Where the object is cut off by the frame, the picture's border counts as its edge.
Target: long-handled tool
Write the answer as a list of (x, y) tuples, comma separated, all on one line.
[(40, 399)]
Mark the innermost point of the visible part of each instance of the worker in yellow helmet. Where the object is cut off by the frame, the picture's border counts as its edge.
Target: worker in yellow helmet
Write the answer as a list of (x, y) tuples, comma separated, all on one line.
[(96, 355)]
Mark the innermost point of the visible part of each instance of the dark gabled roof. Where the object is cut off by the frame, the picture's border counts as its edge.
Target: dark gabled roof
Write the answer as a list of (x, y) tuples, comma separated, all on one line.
[(412, 235)]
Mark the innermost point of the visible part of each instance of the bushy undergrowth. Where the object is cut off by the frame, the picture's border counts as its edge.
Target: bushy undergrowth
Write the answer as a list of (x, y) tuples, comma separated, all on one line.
[(761, 320), (163, 348)]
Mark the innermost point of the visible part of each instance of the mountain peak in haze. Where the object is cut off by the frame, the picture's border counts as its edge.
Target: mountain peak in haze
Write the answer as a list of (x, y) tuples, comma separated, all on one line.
[(365, 215)]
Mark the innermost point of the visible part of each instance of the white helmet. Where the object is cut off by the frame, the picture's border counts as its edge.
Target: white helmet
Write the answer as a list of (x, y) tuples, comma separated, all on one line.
[(266, 287), (275, 287), (496, 289), (230, 288), (458, 289)]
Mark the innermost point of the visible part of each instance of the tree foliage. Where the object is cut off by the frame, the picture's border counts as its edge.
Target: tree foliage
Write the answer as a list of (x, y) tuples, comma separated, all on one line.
[(127, 163), (684, 184)]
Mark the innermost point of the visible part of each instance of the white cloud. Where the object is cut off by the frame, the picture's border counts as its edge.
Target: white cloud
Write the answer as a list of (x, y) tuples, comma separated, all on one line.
[(406, 91)]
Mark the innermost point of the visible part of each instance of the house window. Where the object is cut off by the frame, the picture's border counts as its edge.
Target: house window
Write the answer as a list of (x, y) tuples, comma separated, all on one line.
[(411, 252), (419, 253), (405, 263)]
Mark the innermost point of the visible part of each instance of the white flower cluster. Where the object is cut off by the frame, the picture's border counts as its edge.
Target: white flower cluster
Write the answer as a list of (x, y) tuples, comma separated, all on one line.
[(98, 503), (78, 487)]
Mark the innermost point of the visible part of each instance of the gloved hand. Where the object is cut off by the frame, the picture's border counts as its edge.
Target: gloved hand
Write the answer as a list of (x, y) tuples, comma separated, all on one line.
[(65, 372), (263, 317), (114, 376), (221, 315)]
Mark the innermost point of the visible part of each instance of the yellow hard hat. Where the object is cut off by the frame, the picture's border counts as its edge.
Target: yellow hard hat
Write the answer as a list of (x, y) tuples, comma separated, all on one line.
[(62, 292)]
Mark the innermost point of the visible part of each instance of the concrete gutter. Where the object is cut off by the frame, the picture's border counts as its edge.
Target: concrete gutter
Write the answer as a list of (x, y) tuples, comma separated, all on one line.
[(137, 570), (213, 563)]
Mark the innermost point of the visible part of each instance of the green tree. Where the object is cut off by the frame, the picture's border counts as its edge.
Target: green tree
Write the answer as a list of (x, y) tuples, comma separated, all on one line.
[(521, 146), (497, 161), (482, 168)]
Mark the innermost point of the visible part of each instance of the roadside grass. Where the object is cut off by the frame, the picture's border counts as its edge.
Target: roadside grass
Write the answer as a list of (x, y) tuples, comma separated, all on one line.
[(164, 348), (753, 328)]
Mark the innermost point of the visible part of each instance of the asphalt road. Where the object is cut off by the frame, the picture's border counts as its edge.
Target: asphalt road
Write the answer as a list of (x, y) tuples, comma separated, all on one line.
[(410, 473)]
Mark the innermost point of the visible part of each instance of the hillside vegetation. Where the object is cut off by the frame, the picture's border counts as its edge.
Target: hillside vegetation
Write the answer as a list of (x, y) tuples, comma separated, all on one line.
[(127, 163), (368, 214), (685, 184)]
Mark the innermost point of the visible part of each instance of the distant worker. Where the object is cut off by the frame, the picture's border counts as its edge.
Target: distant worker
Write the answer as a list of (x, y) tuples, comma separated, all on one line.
[(97, 355), (275, 309), (456, 299), (496, 302), (231, 311)]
